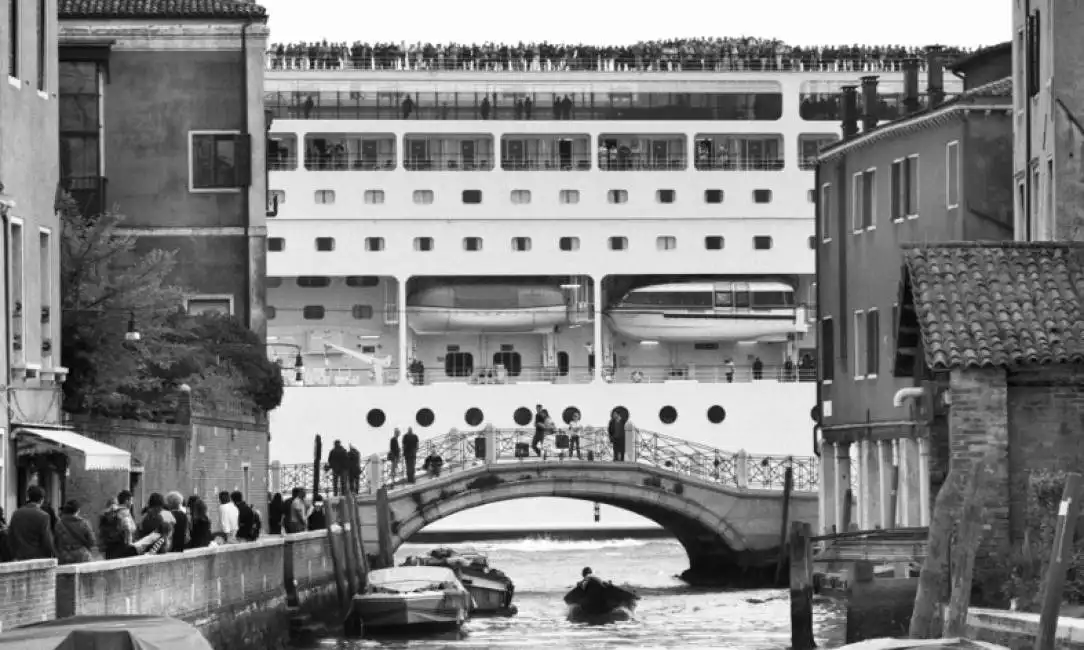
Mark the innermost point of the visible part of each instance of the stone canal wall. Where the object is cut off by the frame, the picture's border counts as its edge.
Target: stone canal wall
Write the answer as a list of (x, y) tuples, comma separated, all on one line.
[(236, 594)]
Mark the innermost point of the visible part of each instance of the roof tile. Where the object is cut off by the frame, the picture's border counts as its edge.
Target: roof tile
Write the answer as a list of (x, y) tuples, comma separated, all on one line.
[(998, 304), (153, 9)]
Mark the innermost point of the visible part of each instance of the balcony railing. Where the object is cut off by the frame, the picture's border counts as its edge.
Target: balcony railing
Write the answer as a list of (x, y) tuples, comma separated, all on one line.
[(345, 163), (452, 163), (740, 164), (88, 192), (547, 163), (636, 162)]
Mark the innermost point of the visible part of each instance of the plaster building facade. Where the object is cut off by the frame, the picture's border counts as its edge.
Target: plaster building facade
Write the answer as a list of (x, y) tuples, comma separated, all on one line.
[(1048, 106), (32, 371), (943, 173), (168, 130)]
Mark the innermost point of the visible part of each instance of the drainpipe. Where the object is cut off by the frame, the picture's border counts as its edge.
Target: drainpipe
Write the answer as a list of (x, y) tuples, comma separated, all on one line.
[(904, 394), (244, 194), (5, 206), (818, 240), (1027, 121)]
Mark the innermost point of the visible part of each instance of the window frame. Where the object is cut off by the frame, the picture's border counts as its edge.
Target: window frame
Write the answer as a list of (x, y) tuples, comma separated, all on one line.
[(825, 205), (375, 244), (192, 189), (949, 147), (574, 243), (913, 176), (873, 344), (858, 323), (209, 297), (829, 364)]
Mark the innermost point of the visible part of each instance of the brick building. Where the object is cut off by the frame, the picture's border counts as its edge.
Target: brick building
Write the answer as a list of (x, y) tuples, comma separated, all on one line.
[(164, 97), (939, 173), (1048, 96), (998, 329)]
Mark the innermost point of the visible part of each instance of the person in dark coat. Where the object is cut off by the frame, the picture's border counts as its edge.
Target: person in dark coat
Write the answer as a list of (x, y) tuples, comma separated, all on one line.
[(275, 511), (338, 460), (355, 469), (200, 522), (616, 431), (410, 454), (317, 518), (30, 533), (74, 537), (395, 454), (182, 529)]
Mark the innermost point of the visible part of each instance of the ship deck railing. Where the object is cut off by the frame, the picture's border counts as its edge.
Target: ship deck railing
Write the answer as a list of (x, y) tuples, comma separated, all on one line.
[(643, 374)]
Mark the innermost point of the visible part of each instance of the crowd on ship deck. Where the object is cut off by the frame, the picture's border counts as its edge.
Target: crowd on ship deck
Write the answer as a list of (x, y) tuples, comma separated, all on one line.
[(684, 54)]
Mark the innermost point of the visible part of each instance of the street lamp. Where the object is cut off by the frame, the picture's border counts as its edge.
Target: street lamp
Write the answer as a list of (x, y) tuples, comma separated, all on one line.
[(299, 361)]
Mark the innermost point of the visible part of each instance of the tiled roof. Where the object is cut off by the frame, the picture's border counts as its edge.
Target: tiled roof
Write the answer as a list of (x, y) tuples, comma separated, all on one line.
[(1003, 304), (159, 9)]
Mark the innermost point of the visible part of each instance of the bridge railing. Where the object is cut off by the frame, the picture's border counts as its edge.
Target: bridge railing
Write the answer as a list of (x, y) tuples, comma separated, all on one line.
[(463, 450)]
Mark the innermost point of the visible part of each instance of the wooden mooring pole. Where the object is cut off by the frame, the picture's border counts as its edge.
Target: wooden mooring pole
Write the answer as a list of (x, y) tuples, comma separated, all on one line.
[(801, 587), (966, 546), (1060, 555), (336, 564), (788, 486)]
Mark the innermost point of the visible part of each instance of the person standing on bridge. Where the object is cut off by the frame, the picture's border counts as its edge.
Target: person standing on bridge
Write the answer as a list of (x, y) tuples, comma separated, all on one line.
[(355, 469), (616, 431), (540, 417), (394, 454), (410, 454), (338, 461)]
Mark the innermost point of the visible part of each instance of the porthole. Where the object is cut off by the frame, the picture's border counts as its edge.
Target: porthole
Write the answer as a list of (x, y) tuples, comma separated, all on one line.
[(624, 412), (522, 416), (376, 418), (668, 415), (473, 416), (425, 417), (814, 413), (716, 414), (569, 413)]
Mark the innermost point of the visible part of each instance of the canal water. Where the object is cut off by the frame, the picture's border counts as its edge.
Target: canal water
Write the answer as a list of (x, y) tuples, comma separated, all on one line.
[(670, 614)]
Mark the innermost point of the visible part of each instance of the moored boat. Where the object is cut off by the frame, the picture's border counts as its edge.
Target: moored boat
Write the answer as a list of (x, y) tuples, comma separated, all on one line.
[(413, 597), (491, 589), (598, 601)]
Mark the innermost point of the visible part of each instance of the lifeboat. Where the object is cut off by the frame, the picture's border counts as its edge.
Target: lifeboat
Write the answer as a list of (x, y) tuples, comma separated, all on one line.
[(495, 308), (708, 311)]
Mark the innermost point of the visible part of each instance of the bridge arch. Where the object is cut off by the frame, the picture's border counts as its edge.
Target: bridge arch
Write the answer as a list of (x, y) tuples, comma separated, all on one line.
[(709, 520)]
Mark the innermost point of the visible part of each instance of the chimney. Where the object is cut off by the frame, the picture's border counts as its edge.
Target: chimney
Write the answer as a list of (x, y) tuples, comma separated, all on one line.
[(935, 76), (849, 109), (910, 86), (871, 105)]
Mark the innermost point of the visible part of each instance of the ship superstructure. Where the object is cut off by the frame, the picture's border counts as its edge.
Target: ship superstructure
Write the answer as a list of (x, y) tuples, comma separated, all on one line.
[(451, 248)]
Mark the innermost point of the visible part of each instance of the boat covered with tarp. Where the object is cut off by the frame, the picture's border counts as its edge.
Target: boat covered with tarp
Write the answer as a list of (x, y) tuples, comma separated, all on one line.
[(490, 589), (412, 597), (106, 633), (924, 644)]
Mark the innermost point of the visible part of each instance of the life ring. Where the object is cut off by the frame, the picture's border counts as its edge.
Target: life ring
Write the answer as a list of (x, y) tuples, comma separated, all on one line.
[(637, 376)]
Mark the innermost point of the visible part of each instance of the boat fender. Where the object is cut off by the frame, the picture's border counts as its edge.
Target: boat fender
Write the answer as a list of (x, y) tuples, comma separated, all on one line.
[(637, 376)]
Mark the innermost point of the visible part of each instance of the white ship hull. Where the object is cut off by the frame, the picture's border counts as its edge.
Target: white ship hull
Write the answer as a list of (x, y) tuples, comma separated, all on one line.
[(691, 326), (439, 320)]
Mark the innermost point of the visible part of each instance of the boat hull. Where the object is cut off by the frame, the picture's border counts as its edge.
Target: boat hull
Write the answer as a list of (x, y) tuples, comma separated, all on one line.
[(389, 611), (684, 325), (490, 595)]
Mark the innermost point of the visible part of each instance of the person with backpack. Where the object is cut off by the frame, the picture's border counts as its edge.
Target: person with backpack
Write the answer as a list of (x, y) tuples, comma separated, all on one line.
[(248, 520), (116, 528)]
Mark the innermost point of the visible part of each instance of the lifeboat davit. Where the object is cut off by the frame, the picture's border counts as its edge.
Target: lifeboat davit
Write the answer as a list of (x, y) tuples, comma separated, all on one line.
[(496, 308)]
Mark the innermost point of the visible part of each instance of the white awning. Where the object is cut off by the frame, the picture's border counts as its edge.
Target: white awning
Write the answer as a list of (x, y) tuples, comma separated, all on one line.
[(97, 456)]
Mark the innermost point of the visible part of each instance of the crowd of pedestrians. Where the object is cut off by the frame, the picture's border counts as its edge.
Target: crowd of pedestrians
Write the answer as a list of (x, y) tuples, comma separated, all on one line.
[(685, 54), (169, 524)]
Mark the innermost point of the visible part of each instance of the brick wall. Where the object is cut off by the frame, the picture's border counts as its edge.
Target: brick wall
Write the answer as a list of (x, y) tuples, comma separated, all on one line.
[(230, 454), (978, 424), (194, 584), (27, 593), (1046, 424)]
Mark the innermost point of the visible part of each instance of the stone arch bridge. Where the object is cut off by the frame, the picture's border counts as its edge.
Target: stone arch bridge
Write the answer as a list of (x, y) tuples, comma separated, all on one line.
[(725, 508)]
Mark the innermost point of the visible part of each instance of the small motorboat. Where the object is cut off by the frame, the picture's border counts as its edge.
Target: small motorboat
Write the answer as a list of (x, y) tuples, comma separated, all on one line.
[(120, 632), (412, 597), (490, 589), (598, 601)]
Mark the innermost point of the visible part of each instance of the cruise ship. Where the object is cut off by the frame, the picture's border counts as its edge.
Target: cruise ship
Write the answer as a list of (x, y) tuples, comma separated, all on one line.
[(449, 248)]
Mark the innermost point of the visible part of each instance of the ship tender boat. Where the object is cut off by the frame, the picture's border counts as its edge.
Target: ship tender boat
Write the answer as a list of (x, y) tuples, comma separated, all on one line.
[(595, 601), (490, 589), (708, 311), (413, 597), (487, 307)]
